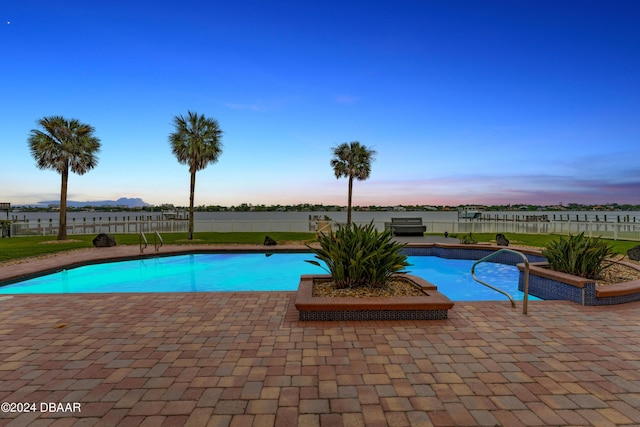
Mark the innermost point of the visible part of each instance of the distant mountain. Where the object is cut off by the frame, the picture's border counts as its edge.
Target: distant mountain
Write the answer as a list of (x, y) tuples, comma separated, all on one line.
[(123, 201)]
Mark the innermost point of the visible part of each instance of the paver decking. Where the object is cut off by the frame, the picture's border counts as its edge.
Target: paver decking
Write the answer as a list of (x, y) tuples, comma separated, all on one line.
[(244, 359)]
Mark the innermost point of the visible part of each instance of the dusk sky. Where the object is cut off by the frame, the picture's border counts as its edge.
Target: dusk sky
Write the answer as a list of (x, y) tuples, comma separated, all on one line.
[(465, 102)]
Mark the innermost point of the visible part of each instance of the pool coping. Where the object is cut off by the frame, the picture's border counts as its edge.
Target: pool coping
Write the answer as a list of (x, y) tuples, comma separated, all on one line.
[(26, 268), (13, 271)]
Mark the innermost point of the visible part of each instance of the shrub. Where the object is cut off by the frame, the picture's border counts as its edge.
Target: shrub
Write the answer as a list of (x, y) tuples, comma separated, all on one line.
[(360, 256), (468, 239), (579, 255)]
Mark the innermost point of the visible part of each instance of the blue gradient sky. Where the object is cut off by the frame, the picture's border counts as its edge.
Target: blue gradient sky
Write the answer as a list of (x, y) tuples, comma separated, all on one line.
[(485, 102)]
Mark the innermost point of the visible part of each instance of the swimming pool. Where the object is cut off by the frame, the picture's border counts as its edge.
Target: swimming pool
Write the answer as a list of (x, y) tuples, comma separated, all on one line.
[(230, 272)]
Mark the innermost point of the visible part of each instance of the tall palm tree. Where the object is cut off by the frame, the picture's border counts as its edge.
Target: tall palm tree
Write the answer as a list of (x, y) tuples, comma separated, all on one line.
[(196, 143), (352, 160), (62, 145)]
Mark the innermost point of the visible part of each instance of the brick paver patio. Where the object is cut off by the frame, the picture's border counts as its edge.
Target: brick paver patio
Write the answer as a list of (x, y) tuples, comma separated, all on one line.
[(243, 359)]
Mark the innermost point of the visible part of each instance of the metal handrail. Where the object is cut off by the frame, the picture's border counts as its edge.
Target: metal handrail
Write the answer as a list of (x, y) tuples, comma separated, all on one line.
[(143, 239), (526, 278), (157, 237)]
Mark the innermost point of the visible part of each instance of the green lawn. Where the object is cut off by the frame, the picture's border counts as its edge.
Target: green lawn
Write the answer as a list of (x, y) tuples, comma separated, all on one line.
[(22, 247), (541, 240)]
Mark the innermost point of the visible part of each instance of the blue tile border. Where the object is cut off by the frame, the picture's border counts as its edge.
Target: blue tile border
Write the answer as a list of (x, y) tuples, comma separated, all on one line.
[(470, 253), (550, 289)]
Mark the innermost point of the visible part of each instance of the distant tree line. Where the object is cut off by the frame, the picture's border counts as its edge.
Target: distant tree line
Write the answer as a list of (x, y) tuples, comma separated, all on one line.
[(311, 207)]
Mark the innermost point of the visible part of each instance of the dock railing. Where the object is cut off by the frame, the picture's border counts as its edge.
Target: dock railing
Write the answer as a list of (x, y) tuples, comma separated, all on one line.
[(607, 230)]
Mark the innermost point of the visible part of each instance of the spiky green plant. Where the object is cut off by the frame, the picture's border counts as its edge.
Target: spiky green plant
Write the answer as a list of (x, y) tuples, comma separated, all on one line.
[(468, 239), (579, 255), (360, 256)]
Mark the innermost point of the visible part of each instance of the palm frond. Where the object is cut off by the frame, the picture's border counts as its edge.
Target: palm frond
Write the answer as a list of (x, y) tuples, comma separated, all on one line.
[(196, 143), (64, 144), (352, 160), (196, 140)]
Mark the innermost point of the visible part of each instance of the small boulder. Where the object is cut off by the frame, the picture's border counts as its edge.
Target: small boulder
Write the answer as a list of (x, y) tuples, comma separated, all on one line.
[(268, 241), (103, 240), (501, 240), (634, 253)]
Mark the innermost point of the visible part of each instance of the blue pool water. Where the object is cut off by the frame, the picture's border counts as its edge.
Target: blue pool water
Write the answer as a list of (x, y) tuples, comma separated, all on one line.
[(254, 272)]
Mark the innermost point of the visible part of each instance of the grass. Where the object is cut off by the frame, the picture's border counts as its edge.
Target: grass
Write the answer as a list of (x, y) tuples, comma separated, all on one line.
[(541, 240), (22, 247)]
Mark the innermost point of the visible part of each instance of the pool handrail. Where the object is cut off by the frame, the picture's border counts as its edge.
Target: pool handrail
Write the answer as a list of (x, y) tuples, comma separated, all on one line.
[(143, 240), (525, 299), (157, 237)]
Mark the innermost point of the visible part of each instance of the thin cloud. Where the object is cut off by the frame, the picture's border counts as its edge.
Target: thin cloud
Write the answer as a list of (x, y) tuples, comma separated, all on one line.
[(510, 189), (251, 107), (346, 99)]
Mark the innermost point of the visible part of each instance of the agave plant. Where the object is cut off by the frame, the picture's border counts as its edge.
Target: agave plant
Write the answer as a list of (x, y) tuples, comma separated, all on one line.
[(579, 255), (468, 239), (360, 256)]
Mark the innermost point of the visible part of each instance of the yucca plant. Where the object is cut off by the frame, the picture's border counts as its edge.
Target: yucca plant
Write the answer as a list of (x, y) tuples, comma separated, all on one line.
[(579, 255), (468, 239), (360, 256)]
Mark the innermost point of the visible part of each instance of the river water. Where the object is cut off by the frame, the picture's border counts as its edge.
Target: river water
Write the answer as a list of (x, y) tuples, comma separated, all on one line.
[(359, 216)]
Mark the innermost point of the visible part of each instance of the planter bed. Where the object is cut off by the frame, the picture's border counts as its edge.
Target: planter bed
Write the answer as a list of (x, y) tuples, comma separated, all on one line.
[(553, 285), (432, 306)]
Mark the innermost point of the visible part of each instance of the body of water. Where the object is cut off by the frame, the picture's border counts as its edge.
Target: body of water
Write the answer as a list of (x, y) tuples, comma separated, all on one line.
[(615, 225), (341, 216)]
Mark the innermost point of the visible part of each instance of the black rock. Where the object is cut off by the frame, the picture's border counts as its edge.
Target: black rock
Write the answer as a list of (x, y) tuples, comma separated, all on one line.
[(501, 240), (268, 241), (634, 253), (103, 240)]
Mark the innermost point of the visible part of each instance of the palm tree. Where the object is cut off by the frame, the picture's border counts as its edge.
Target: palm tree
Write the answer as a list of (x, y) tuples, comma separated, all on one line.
[(196, 143), (62, 145), (352, 160)]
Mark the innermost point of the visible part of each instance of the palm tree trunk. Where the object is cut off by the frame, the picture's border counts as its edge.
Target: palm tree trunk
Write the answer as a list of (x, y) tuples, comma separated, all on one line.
[(191, 200), (349, 201), (62, 223)]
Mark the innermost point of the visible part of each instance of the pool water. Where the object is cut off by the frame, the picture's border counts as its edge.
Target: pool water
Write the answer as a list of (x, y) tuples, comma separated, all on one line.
[(254, 272), (453, 278)]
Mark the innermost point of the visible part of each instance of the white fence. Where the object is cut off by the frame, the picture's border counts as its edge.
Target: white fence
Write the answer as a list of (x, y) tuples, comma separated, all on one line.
[(50, 228), (609, 230)]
